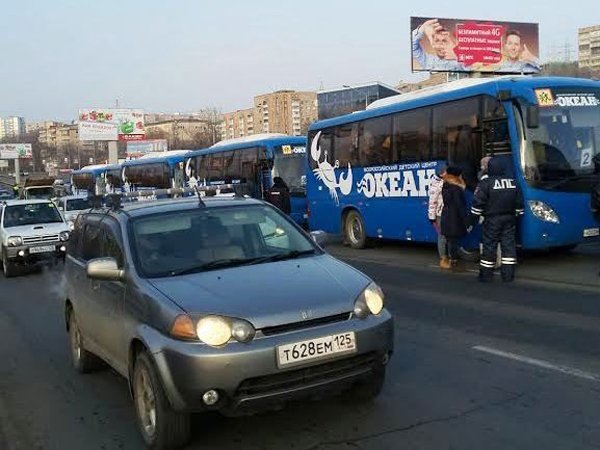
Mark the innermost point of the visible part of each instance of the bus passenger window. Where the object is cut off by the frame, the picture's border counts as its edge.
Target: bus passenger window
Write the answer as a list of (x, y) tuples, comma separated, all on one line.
[(457, 137), (325, 146), (412, 135), (375, 141), (344, 146)]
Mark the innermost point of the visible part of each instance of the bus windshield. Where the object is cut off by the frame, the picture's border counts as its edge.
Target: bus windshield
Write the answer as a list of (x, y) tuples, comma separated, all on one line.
[(559, 153), (289, 163)]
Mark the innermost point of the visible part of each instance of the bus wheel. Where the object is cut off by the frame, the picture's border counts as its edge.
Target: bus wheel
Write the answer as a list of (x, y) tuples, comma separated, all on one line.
[(354, 230)]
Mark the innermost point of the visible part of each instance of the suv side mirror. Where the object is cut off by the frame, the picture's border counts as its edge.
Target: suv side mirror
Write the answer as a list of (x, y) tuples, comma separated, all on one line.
[(320, 237), (104, 269)]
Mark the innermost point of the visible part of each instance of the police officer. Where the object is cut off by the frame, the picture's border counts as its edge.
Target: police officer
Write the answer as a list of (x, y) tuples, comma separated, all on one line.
[(500, 201), (279, 195)]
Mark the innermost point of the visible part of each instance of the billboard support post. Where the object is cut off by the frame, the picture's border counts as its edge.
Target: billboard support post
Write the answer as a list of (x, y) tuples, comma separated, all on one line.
[(17, 172), (113, 153)]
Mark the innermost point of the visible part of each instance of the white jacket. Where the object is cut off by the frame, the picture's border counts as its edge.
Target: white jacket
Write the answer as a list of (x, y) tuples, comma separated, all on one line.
[(436, 202)]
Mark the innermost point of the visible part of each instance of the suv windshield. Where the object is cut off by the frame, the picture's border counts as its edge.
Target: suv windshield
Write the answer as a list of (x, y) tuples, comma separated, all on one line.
[(78, 204), (31, 214), (559, 153), (214, 238), (289, 163)]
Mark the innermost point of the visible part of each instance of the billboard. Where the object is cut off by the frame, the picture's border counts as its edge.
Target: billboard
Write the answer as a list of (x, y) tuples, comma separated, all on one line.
[(135, 149), (101, 124), (468, 45), (14, 151)]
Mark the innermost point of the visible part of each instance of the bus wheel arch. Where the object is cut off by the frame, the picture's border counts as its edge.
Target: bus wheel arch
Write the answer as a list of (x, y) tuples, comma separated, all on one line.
[(353, 229)]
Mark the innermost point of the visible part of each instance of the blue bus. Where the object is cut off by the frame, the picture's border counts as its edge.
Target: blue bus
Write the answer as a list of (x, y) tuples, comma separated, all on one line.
[(370, 170), (255, 160), (156, 172), (97, 179)]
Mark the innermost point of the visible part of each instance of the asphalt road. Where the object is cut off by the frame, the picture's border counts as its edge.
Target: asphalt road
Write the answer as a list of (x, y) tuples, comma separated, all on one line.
[(494, 366)]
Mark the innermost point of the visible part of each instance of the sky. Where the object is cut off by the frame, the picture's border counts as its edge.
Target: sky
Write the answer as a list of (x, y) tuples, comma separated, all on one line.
[(184, 55)]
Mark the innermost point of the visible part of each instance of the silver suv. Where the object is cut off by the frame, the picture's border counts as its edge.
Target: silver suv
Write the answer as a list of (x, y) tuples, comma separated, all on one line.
[(222, 304), (31, 232)]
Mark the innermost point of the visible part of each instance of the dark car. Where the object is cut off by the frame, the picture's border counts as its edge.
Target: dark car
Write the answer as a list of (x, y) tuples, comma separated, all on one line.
[(222, 304)]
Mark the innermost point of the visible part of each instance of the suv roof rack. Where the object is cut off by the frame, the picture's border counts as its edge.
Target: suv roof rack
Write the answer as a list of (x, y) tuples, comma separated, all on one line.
[(114, 200)]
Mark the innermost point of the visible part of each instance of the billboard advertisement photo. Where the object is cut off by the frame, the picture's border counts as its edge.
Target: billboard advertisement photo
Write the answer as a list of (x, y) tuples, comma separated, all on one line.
[(15, 151), (102, 124), (468, 45)]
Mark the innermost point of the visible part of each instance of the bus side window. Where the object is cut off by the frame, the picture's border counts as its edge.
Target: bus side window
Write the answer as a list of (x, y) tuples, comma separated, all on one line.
[(457, 137), (344, 145), (325, 145), (412, 135), (375, 141)]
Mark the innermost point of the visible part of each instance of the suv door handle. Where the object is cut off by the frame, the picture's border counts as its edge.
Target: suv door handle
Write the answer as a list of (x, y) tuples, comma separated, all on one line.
[(95, 285)]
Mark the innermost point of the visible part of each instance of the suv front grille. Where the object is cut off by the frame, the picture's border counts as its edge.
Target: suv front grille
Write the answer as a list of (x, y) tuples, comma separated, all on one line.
[(269, 331), (42, 239), (309, 375)]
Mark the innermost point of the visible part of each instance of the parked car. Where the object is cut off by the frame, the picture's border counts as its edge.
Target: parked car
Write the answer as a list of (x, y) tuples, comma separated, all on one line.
[(31, 232), (71, 206), (218, 305)]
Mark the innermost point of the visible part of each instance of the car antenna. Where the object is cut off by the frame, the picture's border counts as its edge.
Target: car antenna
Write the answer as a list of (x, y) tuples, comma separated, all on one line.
[(200, 201)]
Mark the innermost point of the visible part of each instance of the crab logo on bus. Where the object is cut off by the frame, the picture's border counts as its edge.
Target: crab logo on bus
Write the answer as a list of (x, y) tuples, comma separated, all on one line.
[(325, 172)]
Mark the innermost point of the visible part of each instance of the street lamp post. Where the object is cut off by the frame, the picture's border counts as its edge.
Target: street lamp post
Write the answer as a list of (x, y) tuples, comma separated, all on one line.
[(354, 89)]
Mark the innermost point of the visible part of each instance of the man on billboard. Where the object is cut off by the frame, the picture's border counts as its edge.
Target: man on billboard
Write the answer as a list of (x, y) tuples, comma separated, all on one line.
[(441, 43), (516, 55)]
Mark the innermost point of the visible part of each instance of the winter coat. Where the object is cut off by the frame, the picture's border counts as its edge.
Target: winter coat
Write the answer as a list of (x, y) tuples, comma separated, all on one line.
[(436, 203), (454, 214)]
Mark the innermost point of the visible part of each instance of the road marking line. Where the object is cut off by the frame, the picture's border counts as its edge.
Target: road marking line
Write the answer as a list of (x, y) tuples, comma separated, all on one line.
[(539, 363)]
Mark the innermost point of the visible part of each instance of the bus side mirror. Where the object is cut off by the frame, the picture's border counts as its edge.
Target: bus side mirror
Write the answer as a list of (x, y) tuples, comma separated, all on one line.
[(533, 117)]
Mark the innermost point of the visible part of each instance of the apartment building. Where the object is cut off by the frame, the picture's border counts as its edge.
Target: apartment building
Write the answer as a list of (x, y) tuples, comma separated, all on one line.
[(287, 111), (589, 47), (12, 126)]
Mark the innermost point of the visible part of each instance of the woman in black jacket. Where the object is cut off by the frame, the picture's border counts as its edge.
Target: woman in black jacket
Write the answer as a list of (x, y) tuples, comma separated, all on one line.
[(454, 214)]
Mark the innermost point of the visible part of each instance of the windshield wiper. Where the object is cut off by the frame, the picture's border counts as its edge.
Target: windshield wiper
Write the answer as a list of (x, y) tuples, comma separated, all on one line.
[(571, 178), (216, 264), (283, 256)]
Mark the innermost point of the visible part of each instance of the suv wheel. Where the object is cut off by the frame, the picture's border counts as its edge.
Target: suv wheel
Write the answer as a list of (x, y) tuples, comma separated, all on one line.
[(83, 361), (160, 425), (9, 268)]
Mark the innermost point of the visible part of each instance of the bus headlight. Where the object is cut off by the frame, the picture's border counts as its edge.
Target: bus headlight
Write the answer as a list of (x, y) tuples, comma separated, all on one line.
[(14, 241), (543, 212), (370, 301)]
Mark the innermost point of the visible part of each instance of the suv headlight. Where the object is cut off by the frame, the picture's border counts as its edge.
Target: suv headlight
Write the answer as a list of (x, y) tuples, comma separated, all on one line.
[(14, 241), (63, 236), (543, 212), (215, 331), (370, 301)]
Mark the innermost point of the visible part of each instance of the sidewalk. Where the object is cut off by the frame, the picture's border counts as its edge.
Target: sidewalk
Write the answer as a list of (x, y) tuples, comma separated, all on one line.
[(579, 267)]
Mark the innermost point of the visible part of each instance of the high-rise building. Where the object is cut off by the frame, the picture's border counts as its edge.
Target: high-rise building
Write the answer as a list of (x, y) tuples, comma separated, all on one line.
[(240, 123), (589, 47), (31, 127), (12, 126), (288, 112)]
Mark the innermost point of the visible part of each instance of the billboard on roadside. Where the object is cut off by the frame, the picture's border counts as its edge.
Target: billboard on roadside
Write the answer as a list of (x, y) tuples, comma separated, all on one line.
[(102, 124), (468, 45), (136, 149), (15, 151)]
